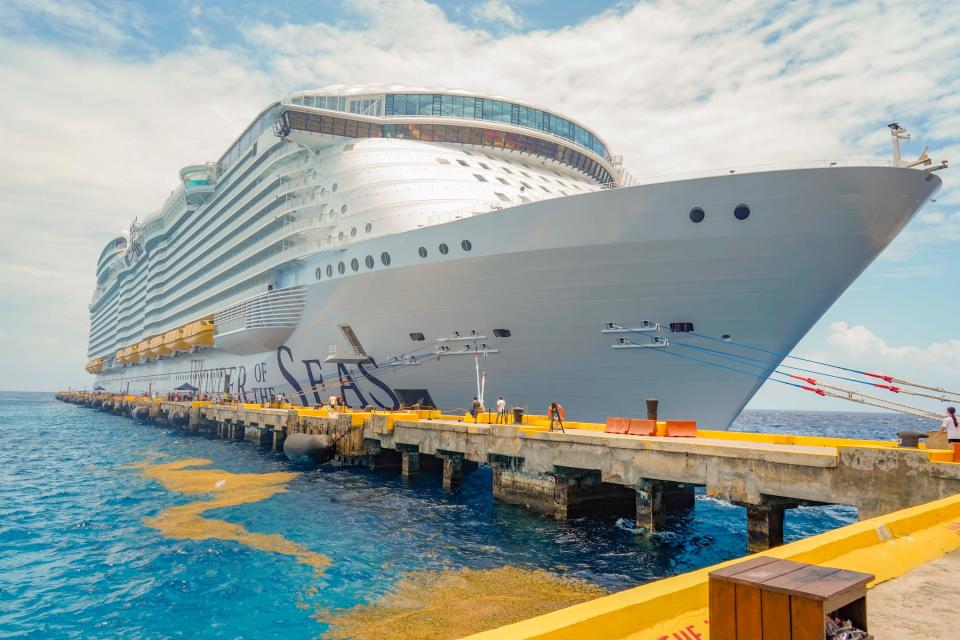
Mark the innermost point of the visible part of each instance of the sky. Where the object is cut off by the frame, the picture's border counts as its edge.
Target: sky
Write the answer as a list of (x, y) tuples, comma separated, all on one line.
[(103, 102)]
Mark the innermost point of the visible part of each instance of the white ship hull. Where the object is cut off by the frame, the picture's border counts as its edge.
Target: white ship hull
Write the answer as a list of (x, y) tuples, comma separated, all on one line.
[(554, 273)]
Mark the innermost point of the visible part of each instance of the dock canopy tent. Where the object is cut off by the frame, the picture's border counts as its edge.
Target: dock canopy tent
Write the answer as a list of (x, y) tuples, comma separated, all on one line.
[(99, 388), (186, 386)]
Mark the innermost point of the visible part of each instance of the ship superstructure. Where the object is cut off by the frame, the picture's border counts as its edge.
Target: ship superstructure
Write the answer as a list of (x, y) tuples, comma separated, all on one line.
[(388, 243)]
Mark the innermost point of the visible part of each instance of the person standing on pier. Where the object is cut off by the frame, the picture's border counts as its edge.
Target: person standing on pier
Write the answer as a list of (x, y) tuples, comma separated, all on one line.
[(952, 429), (556, 416), (475, 409), (501, 410)]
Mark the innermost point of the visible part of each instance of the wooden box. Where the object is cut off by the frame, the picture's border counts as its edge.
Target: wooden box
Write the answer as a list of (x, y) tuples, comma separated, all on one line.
[(770, 599)]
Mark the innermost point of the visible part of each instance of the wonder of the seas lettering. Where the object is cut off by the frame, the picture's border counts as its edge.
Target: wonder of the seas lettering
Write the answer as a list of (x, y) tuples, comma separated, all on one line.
[(314, 381)]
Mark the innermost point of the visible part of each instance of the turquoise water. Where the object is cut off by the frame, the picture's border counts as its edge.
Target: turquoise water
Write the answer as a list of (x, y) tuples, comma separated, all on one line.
[(76, 560)]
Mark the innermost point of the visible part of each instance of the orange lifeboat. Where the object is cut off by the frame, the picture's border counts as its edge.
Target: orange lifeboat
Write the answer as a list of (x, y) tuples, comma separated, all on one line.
[(120, 357), (200, 332), (174, 341), (94, 366), (157, 346), (146, 353), (133, 357)]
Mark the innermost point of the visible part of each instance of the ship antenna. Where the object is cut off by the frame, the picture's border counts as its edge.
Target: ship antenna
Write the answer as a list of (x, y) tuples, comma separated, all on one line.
[(897, 133)]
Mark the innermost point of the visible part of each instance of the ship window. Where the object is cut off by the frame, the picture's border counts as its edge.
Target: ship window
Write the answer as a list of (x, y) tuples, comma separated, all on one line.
[(466, 245), (479, 177), (319, 272), (329, 270), (502, 180), (332, 212), (506, 170), (443, 161), (525, 173), (697, 214), (385, 259), (742, 212), (502, 333), (355, 264), (545, 189), (681, 327), (422, 252), (525, 185), (368, 228), (502, 196), (333, 187), (369, 262), (416, 336), (353, 232), (463, 162), (340, 236), (343, 209), (444, 249), (484, 165), (341, 268)]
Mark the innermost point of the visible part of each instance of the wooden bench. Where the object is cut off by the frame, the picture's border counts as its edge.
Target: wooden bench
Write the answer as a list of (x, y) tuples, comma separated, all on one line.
[(770, 599)]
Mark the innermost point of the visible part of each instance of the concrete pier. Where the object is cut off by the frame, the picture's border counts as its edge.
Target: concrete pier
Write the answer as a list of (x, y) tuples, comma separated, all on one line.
[(587, 472)]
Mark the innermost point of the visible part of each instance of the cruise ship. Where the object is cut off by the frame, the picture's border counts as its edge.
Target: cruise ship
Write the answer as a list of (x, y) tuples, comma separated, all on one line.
[(396, 245)]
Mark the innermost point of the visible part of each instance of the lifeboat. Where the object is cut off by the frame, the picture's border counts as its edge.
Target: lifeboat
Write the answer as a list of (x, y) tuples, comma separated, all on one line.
[(157, 346), (134, 355), (174, 341), (94, 366), (145, 352), (199, 333), (120, 357)]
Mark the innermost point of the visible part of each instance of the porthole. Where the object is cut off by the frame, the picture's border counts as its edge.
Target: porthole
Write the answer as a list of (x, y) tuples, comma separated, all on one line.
[(332, 213), (343, 209), (726, 337), (697, 214), (416, 336), (466, 245), (340, 236), (333, 187), (385, 259), (319, 273), (329, 270), (369, 262), (368, 228), (353, 232), (423, 252), (341, 268), (742, 212), (355, 264), (443, 248)]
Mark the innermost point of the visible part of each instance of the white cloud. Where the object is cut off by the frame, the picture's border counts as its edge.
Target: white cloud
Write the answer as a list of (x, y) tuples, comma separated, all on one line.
[(92, 139), (860, 345), (497, 12), (78, 17)]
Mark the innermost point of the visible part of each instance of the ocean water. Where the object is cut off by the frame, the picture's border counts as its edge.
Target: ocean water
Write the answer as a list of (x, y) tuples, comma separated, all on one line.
[(78, 560)]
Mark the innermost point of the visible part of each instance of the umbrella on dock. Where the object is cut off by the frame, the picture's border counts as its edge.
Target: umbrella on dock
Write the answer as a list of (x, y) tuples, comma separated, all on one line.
[(186, 386)]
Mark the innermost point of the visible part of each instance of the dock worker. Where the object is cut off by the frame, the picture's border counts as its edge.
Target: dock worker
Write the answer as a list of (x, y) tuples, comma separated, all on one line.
[(475, 408), (952, 429), (556, 414), (501, 410)]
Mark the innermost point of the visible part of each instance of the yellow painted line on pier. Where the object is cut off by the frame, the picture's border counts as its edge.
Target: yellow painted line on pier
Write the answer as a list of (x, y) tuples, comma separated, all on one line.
[(887, 546)]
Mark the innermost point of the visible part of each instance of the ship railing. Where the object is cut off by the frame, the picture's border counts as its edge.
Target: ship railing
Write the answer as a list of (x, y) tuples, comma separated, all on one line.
[(311, 223), (273, 309), (757, 168)]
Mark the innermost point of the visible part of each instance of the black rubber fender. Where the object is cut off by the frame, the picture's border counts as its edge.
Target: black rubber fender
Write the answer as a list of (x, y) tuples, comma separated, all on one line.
[(303, 447)]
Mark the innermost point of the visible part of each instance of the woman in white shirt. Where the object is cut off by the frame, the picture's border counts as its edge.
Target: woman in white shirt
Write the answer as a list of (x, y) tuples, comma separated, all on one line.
[(952, 429)]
